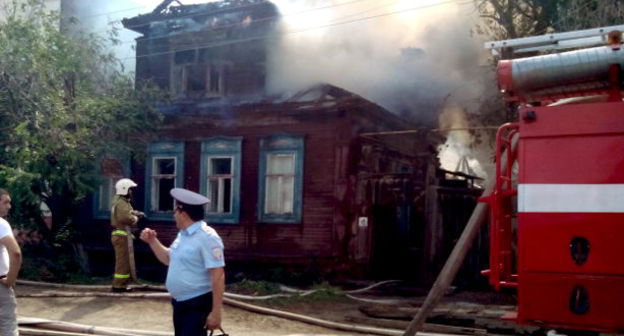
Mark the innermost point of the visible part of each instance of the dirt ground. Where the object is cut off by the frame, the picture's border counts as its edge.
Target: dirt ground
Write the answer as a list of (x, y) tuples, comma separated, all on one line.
[(155, 314)]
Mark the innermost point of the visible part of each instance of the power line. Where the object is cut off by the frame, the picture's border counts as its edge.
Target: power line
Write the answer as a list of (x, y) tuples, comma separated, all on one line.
[(334, 24), (190, 15), (143, 7), (113, 12), (269, 18), (227, 9), (367, 10)]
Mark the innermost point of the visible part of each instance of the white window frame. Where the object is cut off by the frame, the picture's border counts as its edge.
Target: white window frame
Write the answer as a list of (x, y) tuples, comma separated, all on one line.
[(281, 144), (219, 202), (154, 200), (106, 192), (159, 150), (282, 194), (215, 148)]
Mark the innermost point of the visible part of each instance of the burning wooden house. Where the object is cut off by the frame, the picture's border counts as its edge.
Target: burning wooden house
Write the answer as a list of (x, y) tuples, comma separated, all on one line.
[(321, 177)]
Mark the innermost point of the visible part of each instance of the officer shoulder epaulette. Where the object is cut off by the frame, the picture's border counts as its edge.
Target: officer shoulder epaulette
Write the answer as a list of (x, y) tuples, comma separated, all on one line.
[(208, 229)]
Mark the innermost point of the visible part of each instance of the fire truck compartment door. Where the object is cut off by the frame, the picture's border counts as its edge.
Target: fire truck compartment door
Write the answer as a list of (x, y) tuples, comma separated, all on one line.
[(572, 301)]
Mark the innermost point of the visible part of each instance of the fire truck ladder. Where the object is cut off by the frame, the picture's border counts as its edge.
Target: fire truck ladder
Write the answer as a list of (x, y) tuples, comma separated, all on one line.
[(501, 211), (555, 41)]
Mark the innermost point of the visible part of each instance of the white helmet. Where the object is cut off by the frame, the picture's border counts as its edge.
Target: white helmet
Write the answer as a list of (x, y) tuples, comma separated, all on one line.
[(122, 186)]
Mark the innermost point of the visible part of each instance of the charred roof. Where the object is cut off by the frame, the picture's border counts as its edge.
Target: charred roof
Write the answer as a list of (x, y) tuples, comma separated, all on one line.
[(167, 18), (319, 97)]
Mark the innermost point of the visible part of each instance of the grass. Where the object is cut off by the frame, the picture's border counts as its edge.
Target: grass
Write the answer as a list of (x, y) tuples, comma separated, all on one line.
[(252, 287), (324, 291)]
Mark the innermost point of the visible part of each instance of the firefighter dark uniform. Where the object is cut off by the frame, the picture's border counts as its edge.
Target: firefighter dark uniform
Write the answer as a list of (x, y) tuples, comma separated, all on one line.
[(122, 218)]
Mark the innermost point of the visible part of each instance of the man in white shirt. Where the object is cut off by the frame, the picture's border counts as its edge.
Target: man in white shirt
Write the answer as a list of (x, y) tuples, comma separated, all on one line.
[(10, 263)]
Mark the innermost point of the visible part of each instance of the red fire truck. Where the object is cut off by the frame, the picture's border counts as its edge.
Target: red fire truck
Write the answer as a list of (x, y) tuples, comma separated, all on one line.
[(560, 168)]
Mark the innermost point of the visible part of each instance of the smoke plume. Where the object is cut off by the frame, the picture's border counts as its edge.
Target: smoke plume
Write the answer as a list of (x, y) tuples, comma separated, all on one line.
[(418, 59), (103, 18), (408, 56)]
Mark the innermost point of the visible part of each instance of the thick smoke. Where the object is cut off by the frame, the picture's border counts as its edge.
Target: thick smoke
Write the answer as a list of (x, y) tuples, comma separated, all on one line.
[(103, 18), (408, 56), (418, 59)]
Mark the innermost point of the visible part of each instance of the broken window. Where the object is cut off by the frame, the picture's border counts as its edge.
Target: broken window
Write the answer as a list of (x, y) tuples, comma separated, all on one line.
[(215, 80), (163, 180), (165, 171), (196, 74), (195, 78), (220, 184)]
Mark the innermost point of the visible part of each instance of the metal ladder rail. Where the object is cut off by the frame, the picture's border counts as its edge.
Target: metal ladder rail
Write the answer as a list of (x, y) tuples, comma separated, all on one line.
[(501, 251), (554, 41)]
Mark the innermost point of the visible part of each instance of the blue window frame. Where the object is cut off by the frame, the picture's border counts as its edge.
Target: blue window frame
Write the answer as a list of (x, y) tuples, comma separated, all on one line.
[(280, 179), (220, 178), (111, 169), (164, 171)]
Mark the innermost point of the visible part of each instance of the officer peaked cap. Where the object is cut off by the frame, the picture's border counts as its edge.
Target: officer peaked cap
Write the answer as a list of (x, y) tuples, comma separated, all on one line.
[(188, 197)]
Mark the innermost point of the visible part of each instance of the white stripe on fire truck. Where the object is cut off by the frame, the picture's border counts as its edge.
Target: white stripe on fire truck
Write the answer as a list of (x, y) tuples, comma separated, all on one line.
[(594, 198)]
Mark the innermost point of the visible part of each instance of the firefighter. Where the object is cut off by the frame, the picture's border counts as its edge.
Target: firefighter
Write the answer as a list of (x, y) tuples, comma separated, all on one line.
[(123, 216)]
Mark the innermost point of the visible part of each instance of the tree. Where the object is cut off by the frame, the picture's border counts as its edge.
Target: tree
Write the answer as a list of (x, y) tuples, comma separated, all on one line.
[(584, 14), (508, 19), (63, 104)]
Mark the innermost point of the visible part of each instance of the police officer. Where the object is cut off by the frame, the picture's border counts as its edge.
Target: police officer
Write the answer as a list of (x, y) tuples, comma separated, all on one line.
[(195, 277), (123, 216)]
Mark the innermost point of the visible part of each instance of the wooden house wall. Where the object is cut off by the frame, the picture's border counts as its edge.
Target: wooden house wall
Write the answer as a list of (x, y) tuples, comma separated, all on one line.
[(333, 158), (315, 236), (330, 209)]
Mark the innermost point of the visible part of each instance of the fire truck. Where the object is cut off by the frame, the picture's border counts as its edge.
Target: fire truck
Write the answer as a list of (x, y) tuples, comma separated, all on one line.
[(557, 205)]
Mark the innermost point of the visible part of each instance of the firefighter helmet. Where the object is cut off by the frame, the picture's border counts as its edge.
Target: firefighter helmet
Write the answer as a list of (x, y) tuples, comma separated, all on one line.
[(122, 186)]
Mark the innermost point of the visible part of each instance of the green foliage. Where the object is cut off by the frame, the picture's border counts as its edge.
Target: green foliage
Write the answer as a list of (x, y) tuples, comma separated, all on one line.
[(252, 287), (507, 19), (584, 14), (63, 103), (43, 262), (325, 291)]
